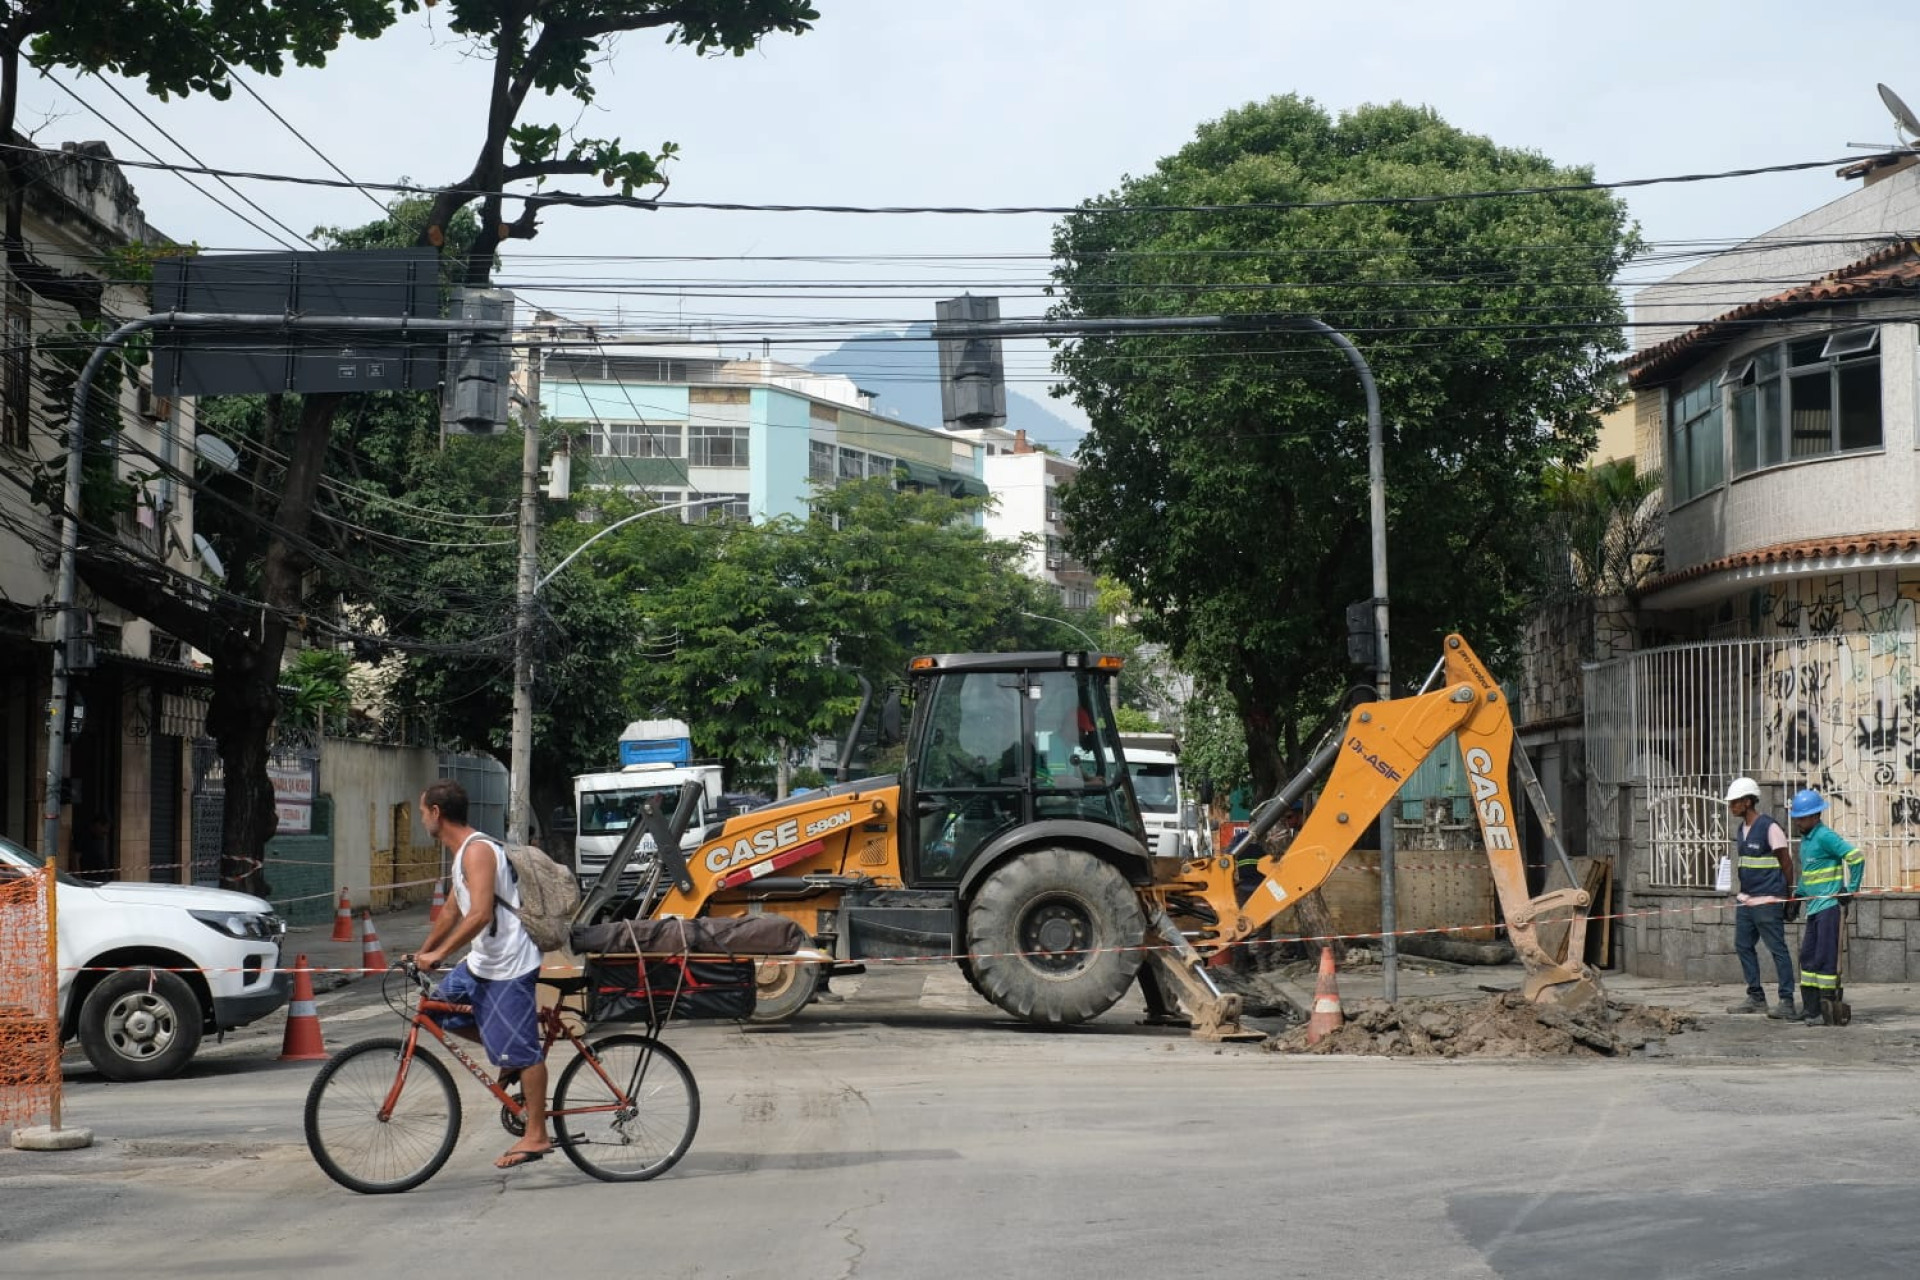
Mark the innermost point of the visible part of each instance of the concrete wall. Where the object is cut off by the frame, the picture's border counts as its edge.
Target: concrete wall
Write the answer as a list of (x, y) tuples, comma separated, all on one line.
[(1687, 934), (366, 780)]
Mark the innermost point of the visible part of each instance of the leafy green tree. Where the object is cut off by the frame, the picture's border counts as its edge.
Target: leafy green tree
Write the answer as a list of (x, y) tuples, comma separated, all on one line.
[(1225, 479), (1604, 530), (318, 678), (455, 606), (760, 645)]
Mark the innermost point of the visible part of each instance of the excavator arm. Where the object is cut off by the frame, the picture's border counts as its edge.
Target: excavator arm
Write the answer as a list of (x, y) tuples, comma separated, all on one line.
[(1381, 746)]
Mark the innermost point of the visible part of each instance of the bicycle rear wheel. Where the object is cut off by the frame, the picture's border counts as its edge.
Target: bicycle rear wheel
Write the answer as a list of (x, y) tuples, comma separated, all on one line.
[(641, 1138), (349, 1140)]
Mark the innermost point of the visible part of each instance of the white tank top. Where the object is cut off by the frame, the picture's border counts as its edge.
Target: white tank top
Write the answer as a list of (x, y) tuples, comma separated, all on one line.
[(503, 950)]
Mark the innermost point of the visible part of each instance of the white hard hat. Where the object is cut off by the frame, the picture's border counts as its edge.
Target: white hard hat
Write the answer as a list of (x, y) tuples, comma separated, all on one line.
[(1742, 789)]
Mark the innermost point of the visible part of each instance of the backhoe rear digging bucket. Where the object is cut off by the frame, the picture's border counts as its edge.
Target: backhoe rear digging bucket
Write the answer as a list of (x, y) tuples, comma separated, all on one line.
[(1214, 1015), (1565, 980)]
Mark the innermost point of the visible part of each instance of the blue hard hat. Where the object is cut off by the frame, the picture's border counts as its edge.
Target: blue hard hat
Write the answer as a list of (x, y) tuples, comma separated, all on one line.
[(1805, 803)]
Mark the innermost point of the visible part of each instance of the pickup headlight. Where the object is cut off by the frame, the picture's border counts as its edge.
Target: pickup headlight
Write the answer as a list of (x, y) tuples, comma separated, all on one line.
[(240, 924)]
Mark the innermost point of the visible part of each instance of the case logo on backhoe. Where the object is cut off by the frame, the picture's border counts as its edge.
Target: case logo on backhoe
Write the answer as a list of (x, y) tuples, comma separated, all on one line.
[(770, 840), (1493, 814)]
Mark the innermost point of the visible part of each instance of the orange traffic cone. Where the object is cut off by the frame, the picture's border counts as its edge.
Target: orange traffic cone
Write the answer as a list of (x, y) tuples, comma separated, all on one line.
[(1327, 1017), (343, 919), (372, 958), (439, 901), (302, 1042)]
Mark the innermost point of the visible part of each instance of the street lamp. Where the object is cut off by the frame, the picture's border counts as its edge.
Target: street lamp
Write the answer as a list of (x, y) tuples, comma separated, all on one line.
[(1376, 505), (1063, 623)]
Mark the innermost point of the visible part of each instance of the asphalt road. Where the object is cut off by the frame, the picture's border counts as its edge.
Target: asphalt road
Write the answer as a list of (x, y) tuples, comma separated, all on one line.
[(912, 1132)]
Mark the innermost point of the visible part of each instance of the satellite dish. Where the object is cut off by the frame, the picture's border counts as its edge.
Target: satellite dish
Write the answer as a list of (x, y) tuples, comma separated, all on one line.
[(208, 557), (1902, 113), (217, 453)]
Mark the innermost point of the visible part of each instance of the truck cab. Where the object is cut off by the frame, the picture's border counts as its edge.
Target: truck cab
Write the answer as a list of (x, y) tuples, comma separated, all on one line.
[(1172, 819), (656, 757)]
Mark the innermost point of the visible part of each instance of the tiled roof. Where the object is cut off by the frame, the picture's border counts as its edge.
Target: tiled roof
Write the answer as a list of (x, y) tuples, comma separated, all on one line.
[(1810, 552), (1893, 269)]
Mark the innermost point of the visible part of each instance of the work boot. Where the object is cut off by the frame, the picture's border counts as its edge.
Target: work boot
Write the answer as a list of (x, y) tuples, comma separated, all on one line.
[(1783, 1009), (1752, 1004), (1810, 1007)]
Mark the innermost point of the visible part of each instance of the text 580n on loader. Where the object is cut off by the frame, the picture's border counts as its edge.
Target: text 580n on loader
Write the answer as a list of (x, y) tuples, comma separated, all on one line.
[(1011, 842)]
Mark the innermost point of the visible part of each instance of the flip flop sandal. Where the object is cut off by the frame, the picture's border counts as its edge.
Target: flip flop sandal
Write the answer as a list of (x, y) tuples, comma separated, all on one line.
[(514, 1159)]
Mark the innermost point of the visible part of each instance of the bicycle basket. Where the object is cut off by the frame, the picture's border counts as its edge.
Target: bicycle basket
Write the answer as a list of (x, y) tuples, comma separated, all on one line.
[(660, 988)]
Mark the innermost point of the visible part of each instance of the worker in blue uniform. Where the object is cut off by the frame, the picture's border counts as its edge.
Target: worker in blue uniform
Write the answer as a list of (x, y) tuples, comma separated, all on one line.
[(1830, 873)]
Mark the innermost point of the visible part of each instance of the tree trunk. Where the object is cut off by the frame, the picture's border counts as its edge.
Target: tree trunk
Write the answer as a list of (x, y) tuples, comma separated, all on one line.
[(246, 700)]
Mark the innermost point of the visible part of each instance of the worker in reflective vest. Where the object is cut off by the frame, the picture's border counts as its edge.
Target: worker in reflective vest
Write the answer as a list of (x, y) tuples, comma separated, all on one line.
[(1830, 872), (1764, 903)]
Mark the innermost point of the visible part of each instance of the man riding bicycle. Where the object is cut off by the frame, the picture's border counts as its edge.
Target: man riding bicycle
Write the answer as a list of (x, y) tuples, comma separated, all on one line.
[(499, 975)]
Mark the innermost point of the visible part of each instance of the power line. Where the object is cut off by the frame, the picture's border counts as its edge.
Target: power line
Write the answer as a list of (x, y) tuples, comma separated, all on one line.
[(233, 74), (1090, 208), (101, 116), (186, 151)]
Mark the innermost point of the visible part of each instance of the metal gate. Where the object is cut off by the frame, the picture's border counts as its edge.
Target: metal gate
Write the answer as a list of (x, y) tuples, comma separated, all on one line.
[(1668, 729)]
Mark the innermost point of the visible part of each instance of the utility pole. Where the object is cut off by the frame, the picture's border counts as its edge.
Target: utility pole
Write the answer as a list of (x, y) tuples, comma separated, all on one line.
[(520, 750)]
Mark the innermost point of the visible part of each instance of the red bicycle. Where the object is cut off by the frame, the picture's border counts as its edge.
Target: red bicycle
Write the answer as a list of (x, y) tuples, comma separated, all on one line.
[(383, 1116)]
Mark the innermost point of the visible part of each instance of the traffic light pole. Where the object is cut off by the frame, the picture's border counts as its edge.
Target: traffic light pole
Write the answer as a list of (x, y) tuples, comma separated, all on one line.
[(1376, 506), (66, 578)]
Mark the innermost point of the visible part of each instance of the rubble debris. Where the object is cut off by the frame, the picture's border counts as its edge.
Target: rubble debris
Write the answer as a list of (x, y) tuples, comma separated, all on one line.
[(1502, 1026)]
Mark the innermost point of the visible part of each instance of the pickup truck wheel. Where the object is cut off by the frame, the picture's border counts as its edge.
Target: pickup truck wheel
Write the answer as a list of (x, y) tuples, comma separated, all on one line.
[(141, 1024), (1054, 937), (782, 990)]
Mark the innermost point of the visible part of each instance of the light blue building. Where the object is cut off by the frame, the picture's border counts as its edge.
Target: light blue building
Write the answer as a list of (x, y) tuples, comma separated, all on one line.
[(745, 438)]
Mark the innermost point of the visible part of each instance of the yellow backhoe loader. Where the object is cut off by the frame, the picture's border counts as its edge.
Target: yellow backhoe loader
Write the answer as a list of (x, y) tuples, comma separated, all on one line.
[(1011, 843)]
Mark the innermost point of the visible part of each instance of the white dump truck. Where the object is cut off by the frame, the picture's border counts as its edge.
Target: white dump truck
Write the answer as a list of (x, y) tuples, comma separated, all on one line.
[(656, 756), (1171, 815)]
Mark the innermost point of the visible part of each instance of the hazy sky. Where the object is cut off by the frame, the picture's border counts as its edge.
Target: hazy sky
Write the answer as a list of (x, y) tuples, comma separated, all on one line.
[(1038, 102)]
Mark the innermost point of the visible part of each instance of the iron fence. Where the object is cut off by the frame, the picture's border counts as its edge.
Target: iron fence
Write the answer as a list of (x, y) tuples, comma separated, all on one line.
[(1668, 729)]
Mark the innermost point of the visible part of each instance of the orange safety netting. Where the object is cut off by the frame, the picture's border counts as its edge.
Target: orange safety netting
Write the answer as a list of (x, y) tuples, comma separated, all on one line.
[(29, 1017)]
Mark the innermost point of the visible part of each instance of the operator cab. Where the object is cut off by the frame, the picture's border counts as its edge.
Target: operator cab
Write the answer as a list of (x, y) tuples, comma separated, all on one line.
[(999, 741)]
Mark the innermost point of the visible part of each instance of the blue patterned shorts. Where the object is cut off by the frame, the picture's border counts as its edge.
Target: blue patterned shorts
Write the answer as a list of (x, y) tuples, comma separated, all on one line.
[(505, 1009)]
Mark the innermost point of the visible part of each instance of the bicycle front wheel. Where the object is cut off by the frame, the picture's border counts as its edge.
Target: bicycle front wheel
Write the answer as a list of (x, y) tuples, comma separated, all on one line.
[(641, 1108), (346, 1134)]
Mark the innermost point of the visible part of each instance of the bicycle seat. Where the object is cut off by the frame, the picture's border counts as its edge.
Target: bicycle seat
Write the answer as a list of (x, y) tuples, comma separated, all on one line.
[(564, 983)]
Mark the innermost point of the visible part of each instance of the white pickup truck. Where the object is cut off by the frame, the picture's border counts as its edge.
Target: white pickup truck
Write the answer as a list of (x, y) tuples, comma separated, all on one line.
[(147, 969)]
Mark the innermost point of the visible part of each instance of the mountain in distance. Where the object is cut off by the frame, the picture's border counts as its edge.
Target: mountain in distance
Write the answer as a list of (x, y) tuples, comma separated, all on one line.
[(903, 373)]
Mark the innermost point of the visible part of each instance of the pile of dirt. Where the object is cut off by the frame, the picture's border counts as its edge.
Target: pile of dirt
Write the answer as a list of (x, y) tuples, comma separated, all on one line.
[(1502, 1026)]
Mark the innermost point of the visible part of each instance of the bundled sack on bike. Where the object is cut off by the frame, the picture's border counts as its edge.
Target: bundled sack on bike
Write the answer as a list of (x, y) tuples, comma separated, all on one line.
[(657, 970)]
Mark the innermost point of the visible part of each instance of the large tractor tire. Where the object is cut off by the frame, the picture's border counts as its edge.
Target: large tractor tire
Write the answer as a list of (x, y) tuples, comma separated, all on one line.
[(1054, 937)]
